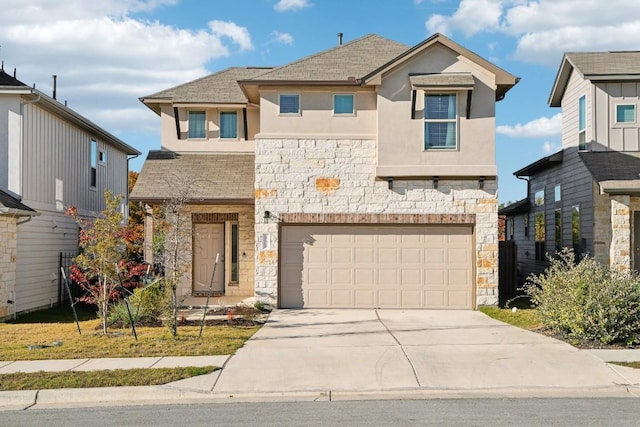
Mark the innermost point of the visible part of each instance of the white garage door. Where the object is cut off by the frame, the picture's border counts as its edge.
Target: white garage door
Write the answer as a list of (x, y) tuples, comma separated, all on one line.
[(376, 266)]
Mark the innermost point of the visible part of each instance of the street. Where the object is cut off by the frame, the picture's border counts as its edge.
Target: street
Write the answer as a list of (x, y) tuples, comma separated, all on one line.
[(467, 412)]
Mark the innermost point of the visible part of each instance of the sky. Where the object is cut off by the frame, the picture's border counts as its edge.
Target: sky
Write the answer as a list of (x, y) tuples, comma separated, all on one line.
[(108, 54)]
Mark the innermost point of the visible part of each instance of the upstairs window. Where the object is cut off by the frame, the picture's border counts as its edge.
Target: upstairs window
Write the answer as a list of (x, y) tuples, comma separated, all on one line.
[(582, 123), (289, 104), (197, 124), (538, 198), (94, 163), (625, 113), (228, 124), (440, 117), (343, 104)]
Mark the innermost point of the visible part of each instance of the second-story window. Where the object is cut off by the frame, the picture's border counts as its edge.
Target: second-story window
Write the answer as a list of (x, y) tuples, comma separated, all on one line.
[(290, 104), (582, 123), (94, 163), (228, 124), (625, 113), (343, 104), (440, 117), (197, 124)]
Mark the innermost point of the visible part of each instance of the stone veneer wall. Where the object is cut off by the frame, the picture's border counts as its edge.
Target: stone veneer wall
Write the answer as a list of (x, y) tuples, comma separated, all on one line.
[(338, 176), (245, 245), (613, 229), (7, 264)]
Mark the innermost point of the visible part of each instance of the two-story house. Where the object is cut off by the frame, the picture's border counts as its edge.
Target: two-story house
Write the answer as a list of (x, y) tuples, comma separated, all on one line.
[(50, 158), (372, 181), (586, 196)]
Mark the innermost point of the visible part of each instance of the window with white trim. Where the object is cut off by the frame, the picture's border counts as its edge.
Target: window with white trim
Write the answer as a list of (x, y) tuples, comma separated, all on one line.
[(197, 124), (440, 121), (289, 104), (343, 104), (228, 124), (582, 123), (625, 113), (94, 163)]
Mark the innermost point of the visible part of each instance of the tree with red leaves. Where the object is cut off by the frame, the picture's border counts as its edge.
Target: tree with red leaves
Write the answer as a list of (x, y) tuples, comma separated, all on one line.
[(104, 267)]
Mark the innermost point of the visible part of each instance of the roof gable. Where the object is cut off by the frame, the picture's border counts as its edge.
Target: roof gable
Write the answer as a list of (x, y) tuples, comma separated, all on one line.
[(594, 66), (504, 80), (7, 80)]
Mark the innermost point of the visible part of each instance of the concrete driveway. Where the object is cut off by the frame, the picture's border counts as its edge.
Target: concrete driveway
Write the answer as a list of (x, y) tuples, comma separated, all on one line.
[(426, 350)]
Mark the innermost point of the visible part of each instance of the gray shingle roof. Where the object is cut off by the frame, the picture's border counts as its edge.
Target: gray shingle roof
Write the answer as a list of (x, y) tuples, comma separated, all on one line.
[(442, 80), (612, 165), (7, 80), (217, 88), (202, 177), (353, 59), (606, 63), (9, 202)]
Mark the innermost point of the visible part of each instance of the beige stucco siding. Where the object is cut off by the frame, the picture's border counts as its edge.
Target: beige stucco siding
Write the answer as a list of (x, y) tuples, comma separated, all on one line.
[(212, 143), (401, 138), (316, 117)]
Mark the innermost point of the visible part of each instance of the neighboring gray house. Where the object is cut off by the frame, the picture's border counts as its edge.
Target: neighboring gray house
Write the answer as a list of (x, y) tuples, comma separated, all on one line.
[(587, 196), (50, 158), (375, 175)]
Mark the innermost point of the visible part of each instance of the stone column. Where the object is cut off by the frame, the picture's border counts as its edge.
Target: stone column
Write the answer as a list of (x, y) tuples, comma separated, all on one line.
[(620, 250)]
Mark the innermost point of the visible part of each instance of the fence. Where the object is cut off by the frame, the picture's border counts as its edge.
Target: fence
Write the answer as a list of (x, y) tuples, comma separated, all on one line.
[(65, 260), (507, 270)]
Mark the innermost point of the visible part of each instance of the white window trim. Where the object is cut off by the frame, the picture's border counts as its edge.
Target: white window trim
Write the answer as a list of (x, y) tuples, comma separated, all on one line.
[(299, 113), (206, 124), (235, 138), (352, 113), (615, 114), (456, 121)]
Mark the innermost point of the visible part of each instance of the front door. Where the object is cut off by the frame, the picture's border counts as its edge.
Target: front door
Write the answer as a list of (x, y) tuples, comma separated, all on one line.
[(208, 242), (636, 241)]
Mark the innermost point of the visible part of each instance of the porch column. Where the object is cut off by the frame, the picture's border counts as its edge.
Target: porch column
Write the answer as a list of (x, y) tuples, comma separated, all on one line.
[(620, 250)]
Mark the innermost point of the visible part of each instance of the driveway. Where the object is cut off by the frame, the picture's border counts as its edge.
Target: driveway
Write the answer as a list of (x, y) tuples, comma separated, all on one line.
[(397, 350)]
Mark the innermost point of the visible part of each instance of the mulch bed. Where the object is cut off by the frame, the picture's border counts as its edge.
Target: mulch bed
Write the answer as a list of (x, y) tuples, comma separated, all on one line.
[(585, 344)]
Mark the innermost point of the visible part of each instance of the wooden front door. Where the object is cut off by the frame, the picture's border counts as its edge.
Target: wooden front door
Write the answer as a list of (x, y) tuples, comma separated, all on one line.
[(208, 242)]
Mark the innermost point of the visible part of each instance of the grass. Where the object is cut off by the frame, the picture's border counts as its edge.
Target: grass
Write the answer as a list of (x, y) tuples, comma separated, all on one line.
[(108, 378), (57, 325), (525, 318)]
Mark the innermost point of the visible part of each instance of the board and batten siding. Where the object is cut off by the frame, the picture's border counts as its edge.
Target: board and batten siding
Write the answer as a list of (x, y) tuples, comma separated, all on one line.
[(609, 134), (55, 152), (576, 87)]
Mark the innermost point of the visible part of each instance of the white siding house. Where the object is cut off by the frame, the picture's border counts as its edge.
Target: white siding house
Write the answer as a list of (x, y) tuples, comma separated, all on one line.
[(50, 158)]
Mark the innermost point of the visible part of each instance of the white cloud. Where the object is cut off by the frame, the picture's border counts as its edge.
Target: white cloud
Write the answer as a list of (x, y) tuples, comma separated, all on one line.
[(538, 128), (104, 58), (544, 29), (284, 38), (239, 35), (285, 5), (471, 17), (550, 147)]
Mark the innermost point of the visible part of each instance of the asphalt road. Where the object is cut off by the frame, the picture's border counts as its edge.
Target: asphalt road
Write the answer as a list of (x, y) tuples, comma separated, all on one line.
[(467, 412)]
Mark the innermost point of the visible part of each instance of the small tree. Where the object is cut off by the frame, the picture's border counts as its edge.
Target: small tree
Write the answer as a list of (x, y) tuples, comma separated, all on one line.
[(103, 267)]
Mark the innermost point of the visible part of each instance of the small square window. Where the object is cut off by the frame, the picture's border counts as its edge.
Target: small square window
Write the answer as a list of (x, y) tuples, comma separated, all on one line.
[(102, 157), (538, 198), (289, 104), (343, 104), (625, 113), (197, 124)]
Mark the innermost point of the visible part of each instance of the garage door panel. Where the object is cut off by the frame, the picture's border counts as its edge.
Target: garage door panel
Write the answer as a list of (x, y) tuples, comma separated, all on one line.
[(376, 266)]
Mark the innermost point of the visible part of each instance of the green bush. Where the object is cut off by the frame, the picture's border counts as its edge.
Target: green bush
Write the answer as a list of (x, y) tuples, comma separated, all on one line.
[(587, 301), (145, 303)]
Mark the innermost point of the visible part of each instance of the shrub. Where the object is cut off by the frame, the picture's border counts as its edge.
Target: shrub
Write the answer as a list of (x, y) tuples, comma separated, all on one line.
[(587, 301), (145, 303)]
